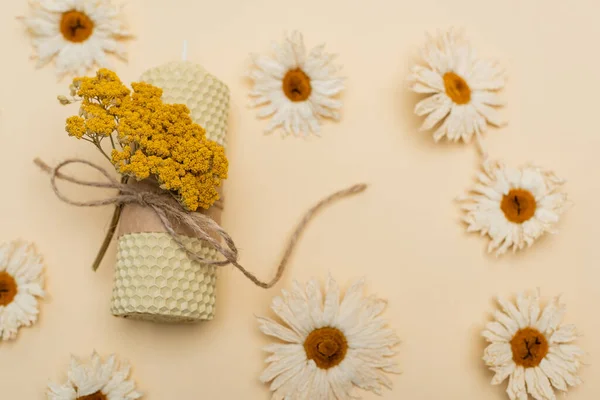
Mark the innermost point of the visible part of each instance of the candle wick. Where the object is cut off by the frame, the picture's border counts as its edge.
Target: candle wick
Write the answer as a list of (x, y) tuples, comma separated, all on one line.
[(184, 51)]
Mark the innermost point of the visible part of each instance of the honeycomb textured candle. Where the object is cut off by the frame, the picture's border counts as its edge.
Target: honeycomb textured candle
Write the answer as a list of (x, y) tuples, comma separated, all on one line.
[(154, 278)]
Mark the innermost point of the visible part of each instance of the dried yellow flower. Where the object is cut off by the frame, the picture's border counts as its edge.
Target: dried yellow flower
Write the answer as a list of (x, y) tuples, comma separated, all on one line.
[(157, 140), (104, 87), (76, 127), (98, 119)]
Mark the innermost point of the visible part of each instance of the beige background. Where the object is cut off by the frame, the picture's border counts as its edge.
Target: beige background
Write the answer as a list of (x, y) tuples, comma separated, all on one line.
[(403, 234)]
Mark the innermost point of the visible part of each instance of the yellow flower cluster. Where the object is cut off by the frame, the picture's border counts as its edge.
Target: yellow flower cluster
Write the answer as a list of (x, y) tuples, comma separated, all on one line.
[(157, 140), (76, 126), (101, 95)]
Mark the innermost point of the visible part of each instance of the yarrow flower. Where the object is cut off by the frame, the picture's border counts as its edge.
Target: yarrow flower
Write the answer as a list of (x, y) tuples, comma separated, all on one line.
[(150, 139), (21, 283), (532, 349), (296, 88), (95, 380), (77, 33), (461, 88), (514, 206), (330, 344)]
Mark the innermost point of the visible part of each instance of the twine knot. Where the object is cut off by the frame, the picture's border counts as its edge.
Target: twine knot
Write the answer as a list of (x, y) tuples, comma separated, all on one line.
[(141, 198)]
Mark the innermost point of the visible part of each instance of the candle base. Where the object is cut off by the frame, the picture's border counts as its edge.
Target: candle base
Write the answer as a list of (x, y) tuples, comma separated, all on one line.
[(155, 280)]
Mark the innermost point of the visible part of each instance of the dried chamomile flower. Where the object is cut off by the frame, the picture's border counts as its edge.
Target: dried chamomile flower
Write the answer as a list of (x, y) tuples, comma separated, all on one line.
[(532, 348), (296, 88), (461, 88), (21, 285), (514, 206), (95, 380), (329, 345), (76, 33)]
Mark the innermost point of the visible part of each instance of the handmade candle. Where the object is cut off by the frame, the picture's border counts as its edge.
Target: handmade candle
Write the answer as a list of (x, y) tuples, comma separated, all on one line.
[(154, 278)]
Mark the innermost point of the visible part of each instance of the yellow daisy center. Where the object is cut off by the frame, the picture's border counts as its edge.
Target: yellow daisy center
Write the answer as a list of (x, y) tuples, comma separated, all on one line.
[(94, 396), (76, 26), (327, 347), (518, 205), (8, 288), (529, 347), (296, 85), (457, 88)]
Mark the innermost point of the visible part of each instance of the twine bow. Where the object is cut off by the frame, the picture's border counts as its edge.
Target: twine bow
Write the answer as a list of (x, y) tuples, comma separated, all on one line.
[(168, 209)]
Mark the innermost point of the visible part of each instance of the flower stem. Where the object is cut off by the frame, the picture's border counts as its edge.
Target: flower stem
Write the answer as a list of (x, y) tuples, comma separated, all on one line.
[(481, 146), (114, 222), (99, 146)]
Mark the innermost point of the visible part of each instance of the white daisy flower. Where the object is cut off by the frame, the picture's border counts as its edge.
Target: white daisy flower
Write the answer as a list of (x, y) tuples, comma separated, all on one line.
[(95, 381), (330, 345), (532, 348), (514, 207), (296, 88), (21, 285), (461, 88), (78, 33)]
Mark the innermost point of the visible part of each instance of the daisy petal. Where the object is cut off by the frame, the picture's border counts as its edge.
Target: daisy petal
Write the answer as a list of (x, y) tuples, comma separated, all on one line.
[(516, 389), (271, 328), (555, 378), (503, 372), (436, 116), (332, 302), (491, 115), (564, 334)]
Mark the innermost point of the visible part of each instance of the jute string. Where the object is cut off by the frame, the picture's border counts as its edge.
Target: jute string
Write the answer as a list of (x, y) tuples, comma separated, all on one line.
[(168, 209)]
